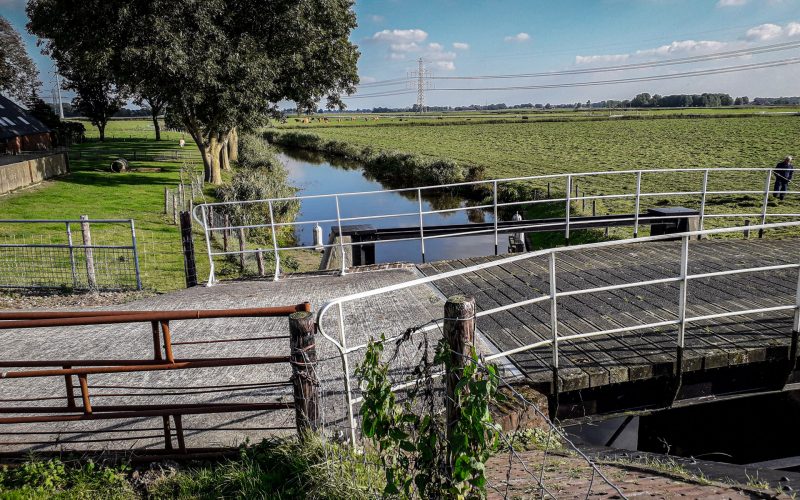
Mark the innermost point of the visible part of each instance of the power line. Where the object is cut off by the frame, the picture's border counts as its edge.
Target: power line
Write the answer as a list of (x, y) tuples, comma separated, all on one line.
[(763, 49), (643, 65), (685, 74)]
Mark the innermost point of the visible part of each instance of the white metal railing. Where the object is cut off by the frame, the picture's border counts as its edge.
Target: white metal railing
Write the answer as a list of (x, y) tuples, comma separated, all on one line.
[(204, 213), (683, 278)]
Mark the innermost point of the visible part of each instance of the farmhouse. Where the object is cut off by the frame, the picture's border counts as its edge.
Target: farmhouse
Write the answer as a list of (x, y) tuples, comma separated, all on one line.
[(21, 132)]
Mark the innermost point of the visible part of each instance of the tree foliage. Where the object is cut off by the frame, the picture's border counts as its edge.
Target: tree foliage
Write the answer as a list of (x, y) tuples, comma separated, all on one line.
[(19, 77), (219, 65)]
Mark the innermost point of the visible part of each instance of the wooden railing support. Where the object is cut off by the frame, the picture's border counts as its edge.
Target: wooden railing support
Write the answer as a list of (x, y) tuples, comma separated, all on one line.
[(304, 378)]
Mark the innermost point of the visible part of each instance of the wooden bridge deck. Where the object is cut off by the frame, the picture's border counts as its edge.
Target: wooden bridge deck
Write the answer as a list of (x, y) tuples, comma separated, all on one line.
[(643, 354)]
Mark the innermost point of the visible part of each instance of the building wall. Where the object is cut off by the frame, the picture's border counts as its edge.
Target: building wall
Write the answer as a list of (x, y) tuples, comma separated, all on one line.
[(33, 142), (24, 173)]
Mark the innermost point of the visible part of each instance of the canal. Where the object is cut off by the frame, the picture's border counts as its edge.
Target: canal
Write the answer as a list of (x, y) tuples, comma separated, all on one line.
[(314, 174)]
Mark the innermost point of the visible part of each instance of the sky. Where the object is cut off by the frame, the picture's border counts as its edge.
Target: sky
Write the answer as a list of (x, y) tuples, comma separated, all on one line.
[(458, 38)]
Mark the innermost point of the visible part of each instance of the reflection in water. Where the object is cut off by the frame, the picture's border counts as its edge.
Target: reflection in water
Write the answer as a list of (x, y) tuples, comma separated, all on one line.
[(315, 174)]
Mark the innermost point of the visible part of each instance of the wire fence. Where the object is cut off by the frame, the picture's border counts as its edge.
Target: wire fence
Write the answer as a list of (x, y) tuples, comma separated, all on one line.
[(185, 195), (77, 254)]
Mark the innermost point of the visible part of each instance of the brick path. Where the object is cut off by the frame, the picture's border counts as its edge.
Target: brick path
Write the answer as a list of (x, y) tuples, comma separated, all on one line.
[(364, 319), (568, 477)]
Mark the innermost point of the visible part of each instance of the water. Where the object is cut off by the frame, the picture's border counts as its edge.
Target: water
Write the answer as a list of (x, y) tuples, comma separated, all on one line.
[(315, 174)]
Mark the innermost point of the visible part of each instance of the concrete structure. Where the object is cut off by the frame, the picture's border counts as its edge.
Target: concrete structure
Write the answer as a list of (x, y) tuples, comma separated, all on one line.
[(28, 171)]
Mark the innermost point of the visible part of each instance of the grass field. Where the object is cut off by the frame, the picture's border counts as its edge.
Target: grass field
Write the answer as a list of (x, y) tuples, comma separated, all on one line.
[(536, 148), (93, 190)]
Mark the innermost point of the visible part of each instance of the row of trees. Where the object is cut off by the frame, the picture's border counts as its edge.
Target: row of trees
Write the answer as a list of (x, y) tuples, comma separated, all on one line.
[(215, 66)]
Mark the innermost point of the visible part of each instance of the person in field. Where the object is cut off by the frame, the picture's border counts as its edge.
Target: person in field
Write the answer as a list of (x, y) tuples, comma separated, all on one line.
[(783, 176)]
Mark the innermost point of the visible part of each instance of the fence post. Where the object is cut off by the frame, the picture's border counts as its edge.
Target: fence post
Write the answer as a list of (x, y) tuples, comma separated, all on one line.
[(189, 263), (174, 209), (567, 210), (459, 331), (181, 196), (72, 258), (135, 249), (747, 231), (241, 248), (225, 232), (260, 262), (166, 200), (766, 203), (87, 243), (637, 204), (304, 380)]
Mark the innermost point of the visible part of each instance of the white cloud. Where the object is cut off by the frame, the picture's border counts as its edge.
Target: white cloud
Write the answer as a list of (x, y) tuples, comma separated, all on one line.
[(394, 56), (460, 45), (731, 3), (683, 47), (792, 29), (435, 46), (764, 32), (376, 18), (404, 47), (519, 37), (443, 65), (607, 58), (400, 36)]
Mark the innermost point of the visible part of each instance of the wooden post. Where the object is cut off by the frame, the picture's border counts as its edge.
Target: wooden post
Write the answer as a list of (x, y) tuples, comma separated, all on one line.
[(576, 189), (181, 196), (189, 263), (174, 209), (747, 231), (594, 208), (88, 251), (304, 361), (260, 262), (166, 200), (241, 247), (459, 331), (548, 190)]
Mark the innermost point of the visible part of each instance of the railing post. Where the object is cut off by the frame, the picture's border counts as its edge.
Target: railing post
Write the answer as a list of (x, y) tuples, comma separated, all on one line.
[(554, 332), (304, 379), (135, 248), (637, 204), (421, 225), (207, 230), (703, 199), (684, 276), (567, 211), (242, 261), (189, 263), (459, 332), (87, 243), (341, 236), (346, 370), (72, 258), (765, 203), (276, 254), (496, 241)]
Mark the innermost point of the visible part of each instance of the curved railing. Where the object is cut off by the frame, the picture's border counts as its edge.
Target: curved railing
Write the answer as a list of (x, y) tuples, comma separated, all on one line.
[(701, 189), (681, 320)]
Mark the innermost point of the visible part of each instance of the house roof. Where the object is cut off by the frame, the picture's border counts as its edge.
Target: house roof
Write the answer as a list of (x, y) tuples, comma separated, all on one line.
[(15, 121)]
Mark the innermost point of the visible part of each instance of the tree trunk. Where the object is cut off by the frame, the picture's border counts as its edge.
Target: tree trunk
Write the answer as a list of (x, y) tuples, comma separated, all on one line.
[(214, 146), (156, 125), (233, 145), (201, 146), (102, 130), (223, 155)]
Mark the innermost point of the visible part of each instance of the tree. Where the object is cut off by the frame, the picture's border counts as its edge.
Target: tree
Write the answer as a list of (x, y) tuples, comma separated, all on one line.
[(218, 64), (641, 100), (98, 95), (156, 103), (19, 77)]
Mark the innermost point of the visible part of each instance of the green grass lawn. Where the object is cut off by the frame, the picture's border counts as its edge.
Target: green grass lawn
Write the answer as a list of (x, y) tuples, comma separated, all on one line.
[(91, 189)]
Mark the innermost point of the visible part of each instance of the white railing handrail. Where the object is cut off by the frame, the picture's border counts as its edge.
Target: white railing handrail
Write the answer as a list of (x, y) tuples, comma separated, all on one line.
[(203, 213), (680, 321)]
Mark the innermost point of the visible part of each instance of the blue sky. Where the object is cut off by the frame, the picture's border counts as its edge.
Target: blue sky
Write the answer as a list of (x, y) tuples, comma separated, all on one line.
[(499, 37)]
